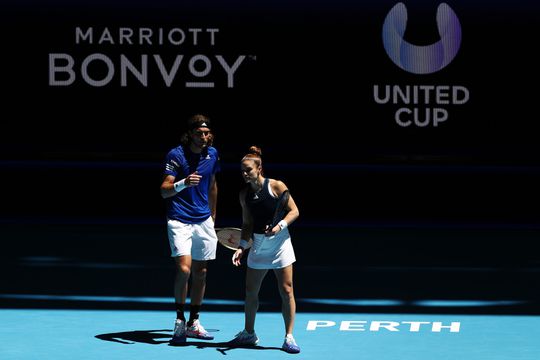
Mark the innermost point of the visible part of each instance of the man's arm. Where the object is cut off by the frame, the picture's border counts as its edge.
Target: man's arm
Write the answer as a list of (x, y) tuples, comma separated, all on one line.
[(167, 187), (170, 188), (212, 197)]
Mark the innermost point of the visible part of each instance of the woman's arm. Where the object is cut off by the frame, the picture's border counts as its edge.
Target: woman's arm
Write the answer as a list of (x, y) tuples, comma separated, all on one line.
[(278, 187)]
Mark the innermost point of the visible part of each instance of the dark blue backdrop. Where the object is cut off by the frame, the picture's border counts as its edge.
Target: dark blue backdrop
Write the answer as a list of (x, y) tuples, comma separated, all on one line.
[(303, 92)]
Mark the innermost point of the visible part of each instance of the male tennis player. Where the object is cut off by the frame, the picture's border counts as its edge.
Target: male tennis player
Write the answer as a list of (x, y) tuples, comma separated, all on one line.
[(190, 188)]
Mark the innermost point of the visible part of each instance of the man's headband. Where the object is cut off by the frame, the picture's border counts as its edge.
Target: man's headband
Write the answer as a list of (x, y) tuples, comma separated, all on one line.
[(199, 124)]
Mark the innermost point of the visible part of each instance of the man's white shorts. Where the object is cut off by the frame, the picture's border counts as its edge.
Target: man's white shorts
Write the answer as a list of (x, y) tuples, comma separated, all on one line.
[(197, 240)]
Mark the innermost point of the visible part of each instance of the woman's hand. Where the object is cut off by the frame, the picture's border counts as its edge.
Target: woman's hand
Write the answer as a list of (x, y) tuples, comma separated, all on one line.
[(272, 231), (237, 256)]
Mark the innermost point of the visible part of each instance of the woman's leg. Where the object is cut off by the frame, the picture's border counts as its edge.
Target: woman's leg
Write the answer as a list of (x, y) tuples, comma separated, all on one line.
[(254, 278), (284, 278)]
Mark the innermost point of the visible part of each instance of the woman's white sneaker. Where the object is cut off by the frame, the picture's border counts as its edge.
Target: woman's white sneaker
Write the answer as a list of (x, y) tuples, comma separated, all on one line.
[(244, 338)]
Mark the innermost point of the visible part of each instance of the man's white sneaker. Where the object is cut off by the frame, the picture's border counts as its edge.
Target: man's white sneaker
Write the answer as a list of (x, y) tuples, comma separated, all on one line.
[(179, 335), (197, 331)]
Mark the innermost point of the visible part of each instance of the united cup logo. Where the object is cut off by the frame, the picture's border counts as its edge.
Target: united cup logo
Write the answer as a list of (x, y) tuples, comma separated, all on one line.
[(421, 59), (421, 105)]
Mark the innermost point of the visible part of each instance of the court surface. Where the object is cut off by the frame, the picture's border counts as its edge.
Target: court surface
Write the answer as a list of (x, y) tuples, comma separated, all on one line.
[(87, 297), (85, 334)]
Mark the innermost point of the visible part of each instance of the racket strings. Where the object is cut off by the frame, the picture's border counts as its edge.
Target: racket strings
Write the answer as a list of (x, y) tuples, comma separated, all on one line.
[(230, 237)]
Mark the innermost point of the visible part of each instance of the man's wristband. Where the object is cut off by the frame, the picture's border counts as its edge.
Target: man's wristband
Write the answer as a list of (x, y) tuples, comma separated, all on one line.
[(283, 224), (180, 185), (243, 244)]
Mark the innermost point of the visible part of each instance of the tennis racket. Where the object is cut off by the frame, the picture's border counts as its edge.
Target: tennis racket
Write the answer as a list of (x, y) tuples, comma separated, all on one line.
[(281, 208), (230, 237)]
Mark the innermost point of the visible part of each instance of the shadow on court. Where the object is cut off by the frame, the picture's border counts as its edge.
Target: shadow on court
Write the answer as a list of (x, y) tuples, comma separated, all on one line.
[(224, 347), (154, 337)]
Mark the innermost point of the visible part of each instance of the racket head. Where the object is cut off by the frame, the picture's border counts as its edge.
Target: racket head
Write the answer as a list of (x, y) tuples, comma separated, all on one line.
[(230, 237), (281, 208)]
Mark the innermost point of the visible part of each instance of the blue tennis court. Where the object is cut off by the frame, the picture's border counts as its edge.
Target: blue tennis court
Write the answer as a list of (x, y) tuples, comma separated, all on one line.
[(74, 300), (97, 334)]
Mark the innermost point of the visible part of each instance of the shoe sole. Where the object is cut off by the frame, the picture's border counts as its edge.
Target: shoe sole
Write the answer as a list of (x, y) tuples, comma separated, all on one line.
[(177, 341), (290, 351)]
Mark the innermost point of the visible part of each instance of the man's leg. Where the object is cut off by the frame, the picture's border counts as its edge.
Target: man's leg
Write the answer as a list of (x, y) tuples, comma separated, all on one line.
[(182, 265), (198, 287), (183, 270)]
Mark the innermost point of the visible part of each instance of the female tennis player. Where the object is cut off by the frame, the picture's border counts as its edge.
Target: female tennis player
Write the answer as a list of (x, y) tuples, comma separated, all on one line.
[(271, 249)]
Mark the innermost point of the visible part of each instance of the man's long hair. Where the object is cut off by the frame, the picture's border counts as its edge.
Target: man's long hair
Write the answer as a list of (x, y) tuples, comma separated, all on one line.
[(194, 122)]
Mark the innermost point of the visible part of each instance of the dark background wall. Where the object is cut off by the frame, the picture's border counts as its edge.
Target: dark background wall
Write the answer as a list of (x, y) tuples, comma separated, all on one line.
[(304, 93)]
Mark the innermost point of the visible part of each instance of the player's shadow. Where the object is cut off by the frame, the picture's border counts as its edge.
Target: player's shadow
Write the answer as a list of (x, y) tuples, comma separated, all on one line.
[(154, 337), (157, 337), (223, 347)]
